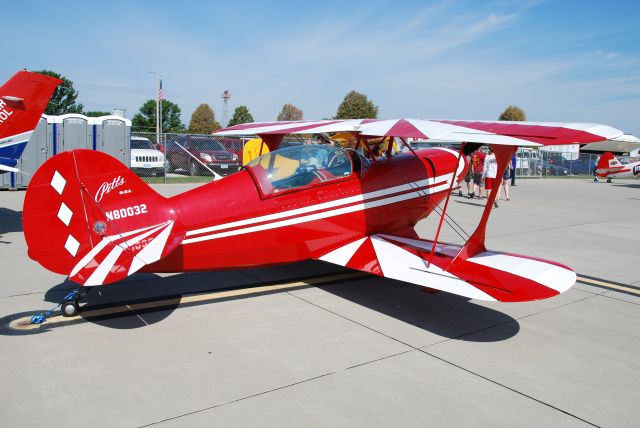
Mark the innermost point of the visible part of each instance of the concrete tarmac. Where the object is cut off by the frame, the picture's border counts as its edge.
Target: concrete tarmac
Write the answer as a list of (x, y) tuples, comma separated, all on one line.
[(353, 352)]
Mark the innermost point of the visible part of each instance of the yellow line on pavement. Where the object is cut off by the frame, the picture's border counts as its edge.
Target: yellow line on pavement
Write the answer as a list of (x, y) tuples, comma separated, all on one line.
[(24, 323), (609, 285)]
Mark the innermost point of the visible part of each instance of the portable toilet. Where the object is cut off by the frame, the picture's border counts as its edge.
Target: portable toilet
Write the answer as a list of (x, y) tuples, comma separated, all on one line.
[(71, 131), (34, 155), (112, 135)]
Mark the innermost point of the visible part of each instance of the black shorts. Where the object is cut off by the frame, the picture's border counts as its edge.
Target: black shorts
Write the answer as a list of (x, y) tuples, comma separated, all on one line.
[(467, 178), (477, 178), (507, 174)]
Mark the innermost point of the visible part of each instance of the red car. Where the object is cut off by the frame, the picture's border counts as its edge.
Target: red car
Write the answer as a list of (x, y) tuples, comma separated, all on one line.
[(233, 144), (195, 154)]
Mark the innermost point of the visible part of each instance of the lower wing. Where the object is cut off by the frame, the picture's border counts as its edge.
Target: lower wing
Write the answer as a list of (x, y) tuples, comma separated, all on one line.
[(488, 275)]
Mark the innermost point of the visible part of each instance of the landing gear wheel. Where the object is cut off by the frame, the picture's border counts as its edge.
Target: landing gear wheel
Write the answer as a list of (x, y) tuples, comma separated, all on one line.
[(608, 180), (70, 309)]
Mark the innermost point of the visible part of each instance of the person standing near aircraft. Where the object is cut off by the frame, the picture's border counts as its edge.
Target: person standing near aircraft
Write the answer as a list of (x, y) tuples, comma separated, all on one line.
[(509, 173), (467, 179), (477, 167), (514, 161), (490, 171)]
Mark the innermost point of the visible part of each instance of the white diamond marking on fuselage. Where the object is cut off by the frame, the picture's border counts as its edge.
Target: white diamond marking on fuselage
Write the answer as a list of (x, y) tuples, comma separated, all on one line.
[(58, 182), (65, 214), (72, 245)]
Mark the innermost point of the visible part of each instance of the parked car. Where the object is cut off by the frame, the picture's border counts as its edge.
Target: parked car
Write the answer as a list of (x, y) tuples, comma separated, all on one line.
[(191, 153), (554, 169), (579, 166), (145, 159), (233, 145)]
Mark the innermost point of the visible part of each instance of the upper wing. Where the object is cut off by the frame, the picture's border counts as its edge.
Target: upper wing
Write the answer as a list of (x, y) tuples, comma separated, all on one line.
[(483, 132), (496, 132), (488, 275)]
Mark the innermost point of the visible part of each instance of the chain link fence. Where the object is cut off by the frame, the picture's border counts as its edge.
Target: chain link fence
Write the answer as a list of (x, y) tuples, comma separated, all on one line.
[(192, 158), (553, 164)]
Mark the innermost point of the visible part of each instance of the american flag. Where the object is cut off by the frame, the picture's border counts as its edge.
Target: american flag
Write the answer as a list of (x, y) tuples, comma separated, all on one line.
[(160, 91)]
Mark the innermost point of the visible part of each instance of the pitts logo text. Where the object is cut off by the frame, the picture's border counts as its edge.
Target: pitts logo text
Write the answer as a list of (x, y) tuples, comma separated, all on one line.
[(106, 187)]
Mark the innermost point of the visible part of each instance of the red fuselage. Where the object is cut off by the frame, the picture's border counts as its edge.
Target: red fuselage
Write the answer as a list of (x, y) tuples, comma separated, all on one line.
[(231, 223)]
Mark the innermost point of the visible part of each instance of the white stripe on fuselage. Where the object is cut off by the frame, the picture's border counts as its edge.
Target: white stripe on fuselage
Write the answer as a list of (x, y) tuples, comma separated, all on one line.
[(317, 207), (419, 192)]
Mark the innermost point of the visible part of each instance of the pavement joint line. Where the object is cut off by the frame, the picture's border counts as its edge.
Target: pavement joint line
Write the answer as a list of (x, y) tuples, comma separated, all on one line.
[(592, 295), (353, 321), (606, 295), (237, 400), (413, 348), (138, 315), (509, 388)]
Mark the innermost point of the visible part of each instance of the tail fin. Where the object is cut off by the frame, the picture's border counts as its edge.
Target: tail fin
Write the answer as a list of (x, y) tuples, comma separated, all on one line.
[(608, 163), (88, 216), (22, 101)]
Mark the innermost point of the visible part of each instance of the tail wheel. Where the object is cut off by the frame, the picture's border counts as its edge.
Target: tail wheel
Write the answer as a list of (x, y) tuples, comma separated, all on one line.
[(71, 308)]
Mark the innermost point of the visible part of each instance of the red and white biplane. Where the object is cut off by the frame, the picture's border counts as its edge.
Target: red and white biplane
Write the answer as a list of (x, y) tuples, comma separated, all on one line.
[(88, 216)]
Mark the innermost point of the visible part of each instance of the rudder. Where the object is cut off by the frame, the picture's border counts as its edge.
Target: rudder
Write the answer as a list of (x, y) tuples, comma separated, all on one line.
[(88, 216)]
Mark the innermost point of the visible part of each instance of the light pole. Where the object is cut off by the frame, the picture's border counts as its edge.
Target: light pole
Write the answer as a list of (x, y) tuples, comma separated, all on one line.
[(158, 122), (225, 96)]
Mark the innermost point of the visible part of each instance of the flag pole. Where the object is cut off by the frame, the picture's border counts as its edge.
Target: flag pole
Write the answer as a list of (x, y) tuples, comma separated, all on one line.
[(158, 80), (160, 98)]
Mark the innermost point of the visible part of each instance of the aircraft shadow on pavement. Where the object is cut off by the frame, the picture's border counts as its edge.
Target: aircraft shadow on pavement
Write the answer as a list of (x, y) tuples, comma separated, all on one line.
[(629, 185), (119, 301), (10, 221), (441, 313)]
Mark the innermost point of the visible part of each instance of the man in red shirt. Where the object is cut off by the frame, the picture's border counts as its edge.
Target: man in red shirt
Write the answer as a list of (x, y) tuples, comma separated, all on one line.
[(477, 168)]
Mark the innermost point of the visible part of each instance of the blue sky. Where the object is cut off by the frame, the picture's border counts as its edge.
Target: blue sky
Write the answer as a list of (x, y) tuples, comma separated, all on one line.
[(558, 60)]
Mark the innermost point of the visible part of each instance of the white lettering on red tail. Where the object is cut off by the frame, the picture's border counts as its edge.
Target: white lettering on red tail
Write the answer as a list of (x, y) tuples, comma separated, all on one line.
[(106, 187)]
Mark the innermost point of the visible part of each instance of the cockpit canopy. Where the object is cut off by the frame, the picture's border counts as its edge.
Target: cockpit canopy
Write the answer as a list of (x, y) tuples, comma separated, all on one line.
[(300, 166)]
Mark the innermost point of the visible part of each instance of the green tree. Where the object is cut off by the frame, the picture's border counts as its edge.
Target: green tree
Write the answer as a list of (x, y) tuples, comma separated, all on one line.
[(203, 120), (145, 121), (513, 113), (96, 113), (240, 115), (64, 97), (290, 112), (357, 106)]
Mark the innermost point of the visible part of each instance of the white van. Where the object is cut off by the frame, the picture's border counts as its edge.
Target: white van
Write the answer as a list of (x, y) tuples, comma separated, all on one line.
[(145, 159)]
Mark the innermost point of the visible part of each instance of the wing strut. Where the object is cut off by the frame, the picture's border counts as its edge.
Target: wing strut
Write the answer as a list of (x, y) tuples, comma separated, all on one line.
[(475, 244), (446, 204)]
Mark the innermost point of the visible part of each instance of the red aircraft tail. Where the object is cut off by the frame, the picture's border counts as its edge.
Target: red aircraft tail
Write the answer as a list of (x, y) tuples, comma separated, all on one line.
[(23, 99), (88, 216), (608, 162)]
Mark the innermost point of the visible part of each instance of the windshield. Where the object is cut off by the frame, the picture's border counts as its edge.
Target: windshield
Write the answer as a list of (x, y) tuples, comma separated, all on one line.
[(142, 144), (206, 145), (300, 166)]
